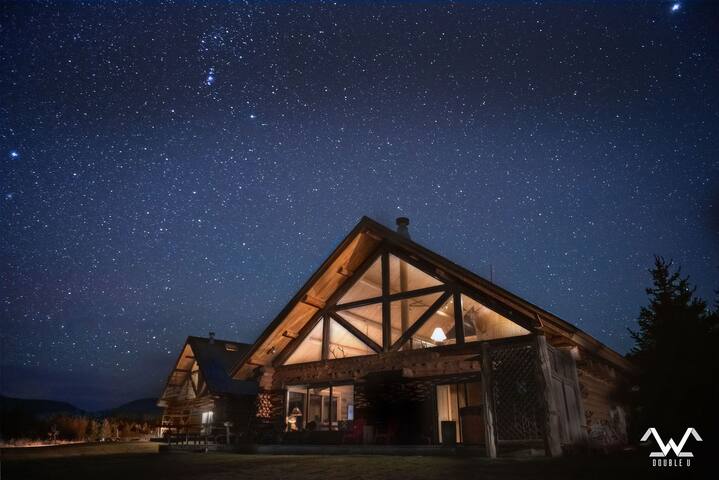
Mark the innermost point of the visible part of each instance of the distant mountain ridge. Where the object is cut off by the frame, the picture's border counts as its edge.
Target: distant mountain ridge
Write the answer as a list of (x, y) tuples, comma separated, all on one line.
[(38, 406), (141, 409), (144, 408)]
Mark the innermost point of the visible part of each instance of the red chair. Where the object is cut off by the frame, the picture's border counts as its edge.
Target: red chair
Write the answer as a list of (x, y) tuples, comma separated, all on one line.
[(355, 434)]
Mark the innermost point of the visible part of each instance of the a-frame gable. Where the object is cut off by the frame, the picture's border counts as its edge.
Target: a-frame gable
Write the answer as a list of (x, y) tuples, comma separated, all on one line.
[(391, 303), (319, 300), (203, 368), (180, 382)]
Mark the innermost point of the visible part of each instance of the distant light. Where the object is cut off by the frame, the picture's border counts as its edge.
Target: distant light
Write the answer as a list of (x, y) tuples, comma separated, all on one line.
[(14, 154), (253, 116), (676, 7), (438, 335)]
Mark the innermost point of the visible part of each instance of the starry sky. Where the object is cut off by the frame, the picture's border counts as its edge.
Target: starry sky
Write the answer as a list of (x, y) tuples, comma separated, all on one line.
[(171, 168)]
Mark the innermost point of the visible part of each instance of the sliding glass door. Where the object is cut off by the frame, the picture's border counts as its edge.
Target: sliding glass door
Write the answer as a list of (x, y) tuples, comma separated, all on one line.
[(319, 407)]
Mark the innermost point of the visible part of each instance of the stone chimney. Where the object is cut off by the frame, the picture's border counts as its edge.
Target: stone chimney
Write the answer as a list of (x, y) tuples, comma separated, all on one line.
[(402, 224), (212, 337)]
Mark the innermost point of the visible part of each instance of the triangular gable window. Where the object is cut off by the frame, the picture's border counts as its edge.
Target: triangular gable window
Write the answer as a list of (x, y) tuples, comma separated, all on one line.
[(404, 313), (405, 277), (420, 313), (367, 319), (369, 285), (344, 345), (482, 323), (310, 350), (439, 329)]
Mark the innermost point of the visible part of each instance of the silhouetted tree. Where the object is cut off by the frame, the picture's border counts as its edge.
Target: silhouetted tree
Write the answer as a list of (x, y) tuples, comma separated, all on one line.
[(675, 349)]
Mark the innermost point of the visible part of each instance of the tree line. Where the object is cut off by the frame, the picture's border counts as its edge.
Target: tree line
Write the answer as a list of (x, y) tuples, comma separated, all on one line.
[(19, 426)]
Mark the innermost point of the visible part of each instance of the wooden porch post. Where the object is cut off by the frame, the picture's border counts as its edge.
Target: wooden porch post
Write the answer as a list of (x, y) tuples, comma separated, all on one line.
[(488, 402), (552, 445)]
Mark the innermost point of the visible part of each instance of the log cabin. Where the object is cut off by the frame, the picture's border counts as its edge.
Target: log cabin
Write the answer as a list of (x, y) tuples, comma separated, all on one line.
[(389, 342), (200, 395)]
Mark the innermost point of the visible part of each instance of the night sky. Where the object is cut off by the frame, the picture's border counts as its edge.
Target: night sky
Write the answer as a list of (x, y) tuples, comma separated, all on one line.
[(169, 169)]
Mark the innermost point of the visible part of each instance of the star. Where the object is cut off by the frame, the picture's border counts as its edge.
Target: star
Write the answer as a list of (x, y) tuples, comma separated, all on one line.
[(676, 7), (210, 77), (14, 154)]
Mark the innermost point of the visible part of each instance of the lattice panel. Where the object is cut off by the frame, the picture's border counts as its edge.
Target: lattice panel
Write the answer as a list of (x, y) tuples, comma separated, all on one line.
[(516, 392)]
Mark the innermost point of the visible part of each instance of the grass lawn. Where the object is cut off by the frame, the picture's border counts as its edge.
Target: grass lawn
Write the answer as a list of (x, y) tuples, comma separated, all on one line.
[(141, 461)]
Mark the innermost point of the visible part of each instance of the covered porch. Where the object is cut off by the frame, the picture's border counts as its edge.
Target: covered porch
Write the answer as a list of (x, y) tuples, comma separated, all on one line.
[(497, 396)]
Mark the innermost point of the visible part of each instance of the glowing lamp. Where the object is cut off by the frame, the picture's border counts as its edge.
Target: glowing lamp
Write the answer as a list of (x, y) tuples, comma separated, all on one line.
[(438, 335)]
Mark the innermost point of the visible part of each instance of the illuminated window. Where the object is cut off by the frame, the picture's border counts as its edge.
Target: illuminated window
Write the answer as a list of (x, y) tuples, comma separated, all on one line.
[(482, 323), (310, 350), (343, 344), (207, 419), (404, 277), (403, 313), (369, 285), (367, 319), (409, 303), (319, 407), (438, 329)]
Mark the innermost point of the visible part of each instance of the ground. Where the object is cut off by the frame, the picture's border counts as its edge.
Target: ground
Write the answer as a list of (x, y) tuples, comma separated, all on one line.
[(141, 461)]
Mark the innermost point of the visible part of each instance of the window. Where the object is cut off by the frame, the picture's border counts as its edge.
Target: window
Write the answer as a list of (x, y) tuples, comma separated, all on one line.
[(404, 277), (231, 347), (319, 407), (369, 285), (439, 329), (367, 319), (482, 323), (310, 350), (207, 419), (405, 312), (343, 344), (415, 300)]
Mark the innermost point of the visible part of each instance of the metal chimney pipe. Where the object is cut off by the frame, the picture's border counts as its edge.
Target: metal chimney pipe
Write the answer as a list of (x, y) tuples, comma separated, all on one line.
[(402, 224), (212, 337)]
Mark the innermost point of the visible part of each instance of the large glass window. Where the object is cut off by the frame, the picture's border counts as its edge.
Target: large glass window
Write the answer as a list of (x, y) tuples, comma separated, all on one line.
[(319, 407), (310, 350), (369, 285), (296, 408), (405, 312), (404, 277), (482, 323), (361, 330), (343, 344), (439, 329), (367, 319)]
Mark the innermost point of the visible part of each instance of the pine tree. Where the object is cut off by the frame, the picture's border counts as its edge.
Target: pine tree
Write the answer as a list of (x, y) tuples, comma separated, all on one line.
[(674, 349)]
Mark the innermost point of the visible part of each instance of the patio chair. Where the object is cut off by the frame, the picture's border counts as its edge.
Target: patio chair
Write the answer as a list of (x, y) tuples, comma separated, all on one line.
[(354, 435)]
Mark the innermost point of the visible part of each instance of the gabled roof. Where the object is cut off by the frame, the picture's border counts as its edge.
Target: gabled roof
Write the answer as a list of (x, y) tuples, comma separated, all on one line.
[(215, 360), (361, 244)]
